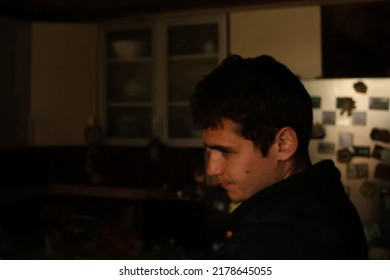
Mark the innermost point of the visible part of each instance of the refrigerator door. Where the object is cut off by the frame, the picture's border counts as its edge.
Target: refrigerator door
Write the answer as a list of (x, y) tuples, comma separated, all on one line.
[(353, 119)]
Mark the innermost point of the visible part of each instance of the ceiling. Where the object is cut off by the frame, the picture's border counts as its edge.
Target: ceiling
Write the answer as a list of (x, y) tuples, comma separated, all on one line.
[(87, 10), (94, 9)]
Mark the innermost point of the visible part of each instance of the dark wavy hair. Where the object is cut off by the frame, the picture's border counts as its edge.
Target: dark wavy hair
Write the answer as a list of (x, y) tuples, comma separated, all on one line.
[(260, 94)]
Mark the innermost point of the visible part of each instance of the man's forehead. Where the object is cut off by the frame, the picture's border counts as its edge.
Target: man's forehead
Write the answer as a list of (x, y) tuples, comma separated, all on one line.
[(225, 123)]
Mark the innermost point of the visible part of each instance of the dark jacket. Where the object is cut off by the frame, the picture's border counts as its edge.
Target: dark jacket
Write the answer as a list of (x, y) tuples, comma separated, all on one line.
[(306, 216)]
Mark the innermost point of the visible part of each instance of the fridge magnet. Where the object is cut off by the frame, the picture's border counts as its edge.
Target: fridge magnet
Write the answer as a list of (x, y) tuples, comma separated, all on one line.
[(318, 131), (361, 151), (385, 199), (385, 155), (380, 135), (359, 118), (379, 103), (382, 171), (316, 102), (346, 104), (367, 189), (344, 155), (325, 147), (328, 117), (360, 87), (339, 102), (345, 139), (376, 153), (357, 171), (344, 120)]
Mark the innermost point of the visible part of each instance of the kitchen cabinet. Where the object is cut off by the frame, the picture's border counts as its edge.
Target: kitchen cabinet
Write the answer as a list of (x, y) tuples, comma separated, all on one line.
[(291, 34), (149, 71), (62, 82), (48, 78), (128, 82)]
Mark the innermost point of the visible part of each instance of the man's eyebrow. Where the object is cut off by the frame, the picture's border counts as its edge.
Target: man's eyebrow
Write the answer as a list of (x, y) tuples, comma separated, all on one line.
[(219, 148)]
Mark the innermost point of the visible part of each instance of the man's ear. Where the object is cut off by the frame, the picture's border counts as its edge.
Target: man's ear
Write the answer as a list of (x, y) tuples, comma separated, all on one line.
[(287, 143)]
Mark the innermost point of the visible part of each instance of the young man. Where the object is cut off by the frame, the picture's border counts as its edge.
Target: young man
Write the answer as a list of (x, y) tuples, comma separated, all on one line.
[(256, 120)]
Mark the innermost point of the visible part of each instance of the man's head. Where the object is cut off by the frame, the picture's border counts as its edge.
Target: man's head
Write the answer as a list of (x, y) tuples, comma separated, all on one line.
[(262, 102)]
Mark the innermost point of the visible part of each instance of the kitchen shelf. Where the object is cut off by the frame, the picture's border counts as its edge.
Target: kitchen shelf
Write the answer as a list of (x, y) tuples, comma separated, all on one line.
[(117, 192), (193, 56), (127, 104), (139, 193), (130, 60)]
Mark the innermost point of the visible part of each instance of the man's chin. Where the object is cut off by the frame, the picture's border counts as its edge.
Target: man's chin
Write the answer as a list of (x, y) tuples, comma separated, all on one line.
[(234, 197)]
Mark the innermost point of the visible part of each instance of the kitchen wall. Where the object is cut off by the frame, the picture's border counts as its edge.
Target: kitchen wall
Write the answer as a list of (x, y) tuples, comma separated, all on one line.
[(14, 82)]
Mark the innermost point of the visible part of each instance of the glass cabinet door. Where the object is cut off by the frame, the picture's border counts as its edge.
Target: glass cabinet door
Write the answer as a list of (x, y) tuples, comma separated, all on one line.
[(128, 83), (149, 72), (193, 51)]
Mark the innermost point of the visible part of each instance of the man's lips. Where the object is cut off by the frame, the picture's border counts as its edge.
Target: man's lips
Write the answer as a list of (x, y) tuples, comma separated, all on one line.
[(226, 185)]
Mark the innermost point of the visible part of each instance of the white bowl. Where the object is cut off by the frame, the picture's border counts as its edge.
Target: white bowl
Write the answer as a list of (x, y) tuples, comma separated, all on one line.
[(126, 49)]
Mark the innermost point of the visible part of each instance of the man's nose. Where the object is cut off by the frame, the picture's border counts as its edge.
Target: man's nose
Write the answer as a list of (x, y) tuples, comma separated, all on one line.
[(214, 164)]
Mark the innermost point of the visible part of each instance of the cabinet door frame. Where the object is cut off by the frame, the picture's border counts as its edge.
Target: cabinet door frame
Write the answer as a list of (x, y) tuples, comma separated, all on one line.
[(103, 104), (220, 20)]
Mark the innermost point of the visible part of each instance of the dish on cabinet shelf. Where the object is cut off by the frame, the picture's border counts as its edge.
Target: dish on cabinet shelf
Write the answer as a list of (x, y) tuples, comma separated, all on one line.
[(129, 82), (128, 48), (133, 90), (209, 47), (185, 74)]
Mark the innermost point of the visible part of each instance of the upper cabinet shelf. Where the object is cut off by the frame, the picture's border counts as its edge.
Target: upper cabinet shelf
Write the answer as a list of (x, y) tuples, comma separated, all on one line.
[(130, 59), (149, 72), (193, 56)]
